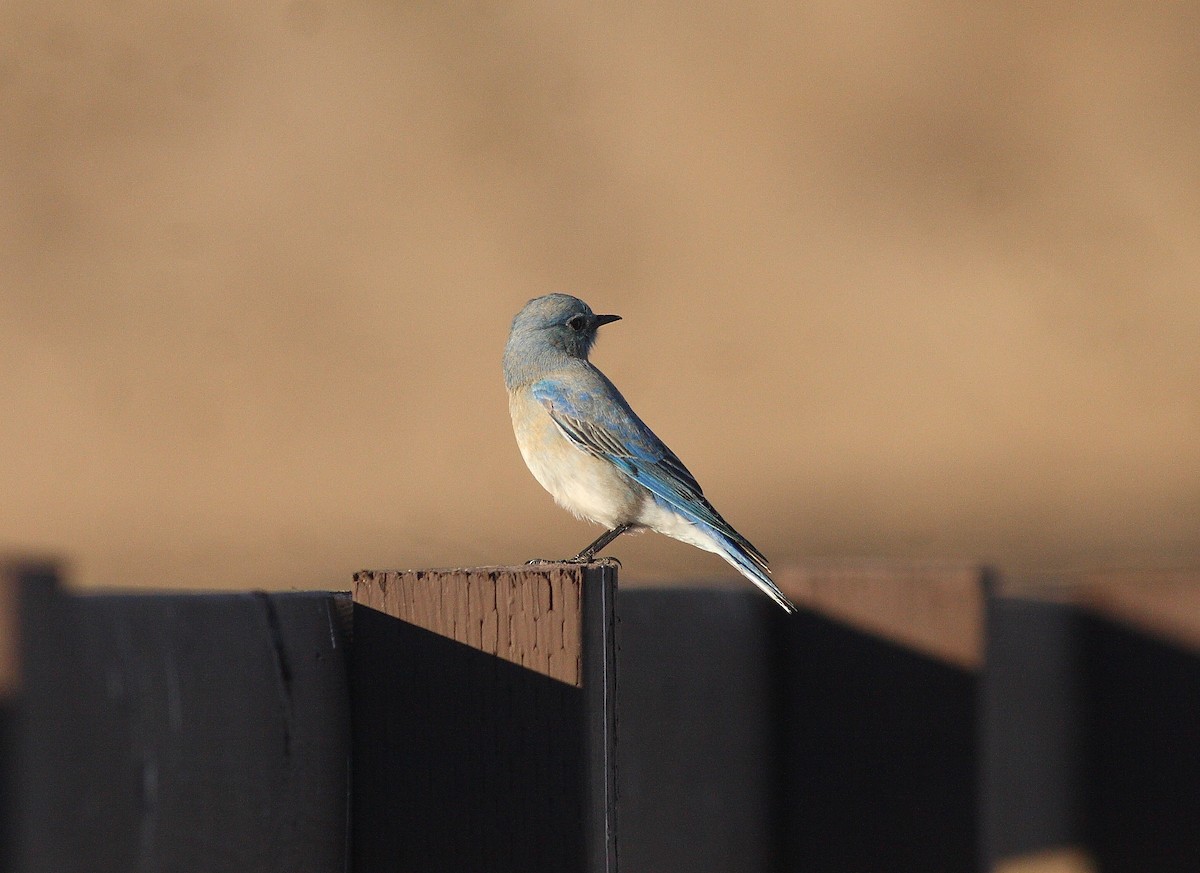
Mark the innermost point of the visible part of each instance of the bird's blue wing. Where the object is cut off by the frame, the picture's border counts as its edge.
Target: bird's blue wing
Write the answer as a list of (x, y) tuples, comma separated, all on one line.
[(597, 419)]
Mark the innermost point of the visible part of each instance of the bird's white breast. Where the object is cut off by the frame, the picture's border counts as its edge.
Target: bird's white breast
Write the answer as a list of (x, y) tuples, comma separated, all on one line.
[(585, 485)]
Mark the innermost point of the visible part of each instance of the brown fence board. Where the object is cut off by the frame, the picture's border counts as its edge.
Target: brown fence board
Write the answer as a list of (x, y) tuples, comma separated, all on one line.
[(484, 720)]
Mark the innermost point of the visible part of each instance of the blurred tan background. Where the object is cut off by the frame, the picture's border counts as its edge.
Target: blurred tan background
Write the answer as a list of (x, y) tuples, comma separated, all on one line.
[(900, 279)]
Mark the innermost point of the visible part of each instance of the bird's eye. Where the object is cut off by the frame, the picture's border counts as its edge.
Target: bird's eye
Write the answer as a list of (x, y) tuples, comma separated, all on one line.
[(577, 322)]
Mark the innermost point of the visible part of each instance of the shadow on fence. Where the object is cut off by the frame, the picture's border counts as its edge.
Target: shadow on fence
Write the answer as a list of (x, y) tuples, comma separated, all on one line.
[(916, 719)]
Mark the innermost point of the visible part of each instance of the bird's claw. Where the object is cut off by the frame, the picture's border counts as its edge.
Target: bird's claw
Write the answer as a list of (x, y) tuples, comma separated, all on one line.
[(607, 561)]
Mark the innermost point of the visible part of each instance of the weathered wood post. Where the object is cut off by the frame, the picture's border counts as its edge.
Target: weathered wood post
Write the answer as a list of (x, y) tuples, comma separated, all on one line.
[(484, 720)]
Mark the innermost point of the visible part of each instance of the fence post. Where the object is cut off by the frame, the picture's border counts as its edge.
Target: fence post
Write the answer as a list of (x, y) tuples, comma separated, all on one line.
[(484, 720)]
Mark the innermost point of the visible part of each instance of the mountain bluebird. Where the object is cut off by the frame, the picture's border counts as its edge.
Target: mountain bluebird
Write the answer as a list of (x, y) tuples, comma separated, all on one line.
[(586, 447)]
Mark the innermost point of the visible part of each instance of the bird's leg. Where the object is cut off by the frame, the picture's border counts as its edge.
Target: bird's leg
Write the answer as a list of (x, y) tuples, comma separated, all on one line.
[(589, 554), (586, 556)]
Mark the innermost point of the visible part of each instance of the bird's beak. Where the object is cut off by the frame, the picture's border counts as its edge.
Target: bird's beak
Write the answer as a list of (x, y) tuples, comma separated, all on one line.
[(605, 319)]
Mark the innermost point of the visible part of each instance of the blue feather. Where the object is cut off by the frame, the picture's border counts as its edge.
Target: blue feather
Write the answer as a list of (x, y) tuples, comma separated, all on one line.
[(612, 430)]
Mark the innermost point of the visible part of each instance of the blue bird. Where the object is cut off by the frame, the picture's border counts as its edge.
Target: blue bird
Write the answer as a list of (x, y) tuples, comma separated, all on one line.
[(586, 447)]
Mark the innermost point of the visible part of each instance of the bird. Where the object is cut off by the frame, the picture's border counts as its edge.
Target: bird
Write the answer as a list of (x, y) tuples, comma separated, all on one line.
[(589, 449)]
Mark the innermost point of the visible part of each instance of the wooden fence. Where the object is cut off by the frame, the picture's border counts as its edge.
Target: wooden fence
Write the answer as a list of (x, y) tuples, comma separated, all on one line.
[(910, 718)]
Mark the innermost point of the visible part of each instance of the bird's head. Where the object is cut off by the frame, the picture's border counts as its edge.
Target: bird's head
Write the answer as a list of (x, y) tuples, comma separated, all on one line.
[(561, 321)]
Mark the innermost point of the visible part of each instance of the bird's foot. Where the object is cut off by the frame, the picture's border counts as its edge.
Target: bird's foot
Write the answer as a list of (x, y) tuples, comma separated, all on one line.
[(607, 561), (578, 559)]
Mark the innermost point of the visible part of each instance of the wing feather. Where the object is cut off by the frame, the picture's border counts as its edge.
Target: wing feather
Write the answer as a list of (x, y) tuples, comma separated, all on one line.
[(599, 421)]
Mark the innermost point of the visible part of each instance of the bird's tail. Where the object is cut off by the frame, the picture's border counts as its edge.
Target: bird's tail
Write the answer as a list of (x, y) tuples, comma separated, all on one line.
[(750, 562)]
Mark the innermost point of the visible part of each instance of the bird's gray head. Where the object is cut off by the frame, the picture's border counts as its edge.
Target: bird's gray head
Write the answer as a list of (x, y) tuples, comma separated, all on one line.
[(546, 330)]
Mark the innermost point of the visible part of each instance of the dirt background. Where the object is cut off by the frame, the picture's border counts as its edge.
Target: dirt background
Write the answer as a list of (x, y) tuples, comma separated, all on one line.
[(904, 280)]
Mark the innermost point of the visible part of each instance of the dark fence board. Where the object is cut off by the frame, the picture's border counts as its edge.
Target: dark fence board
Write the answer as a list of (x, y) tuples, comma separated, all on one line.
[(169, 732), (1092, 719), (1032, 727), (843, 738), (15, 574), (1141, 750), (879, 754), (695, 724), (879, 686)]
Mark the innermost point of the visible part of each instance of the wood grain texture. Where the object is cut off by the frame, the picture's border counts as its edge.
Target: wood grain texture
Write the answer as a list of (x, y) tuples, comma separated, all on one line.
[(531, 616), (484, 720), (934, 608)]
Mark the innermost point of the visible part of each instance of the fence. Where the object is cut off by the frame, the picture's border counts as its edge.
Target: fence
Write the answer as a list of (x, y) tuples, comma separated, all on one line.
[(908, 719)]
